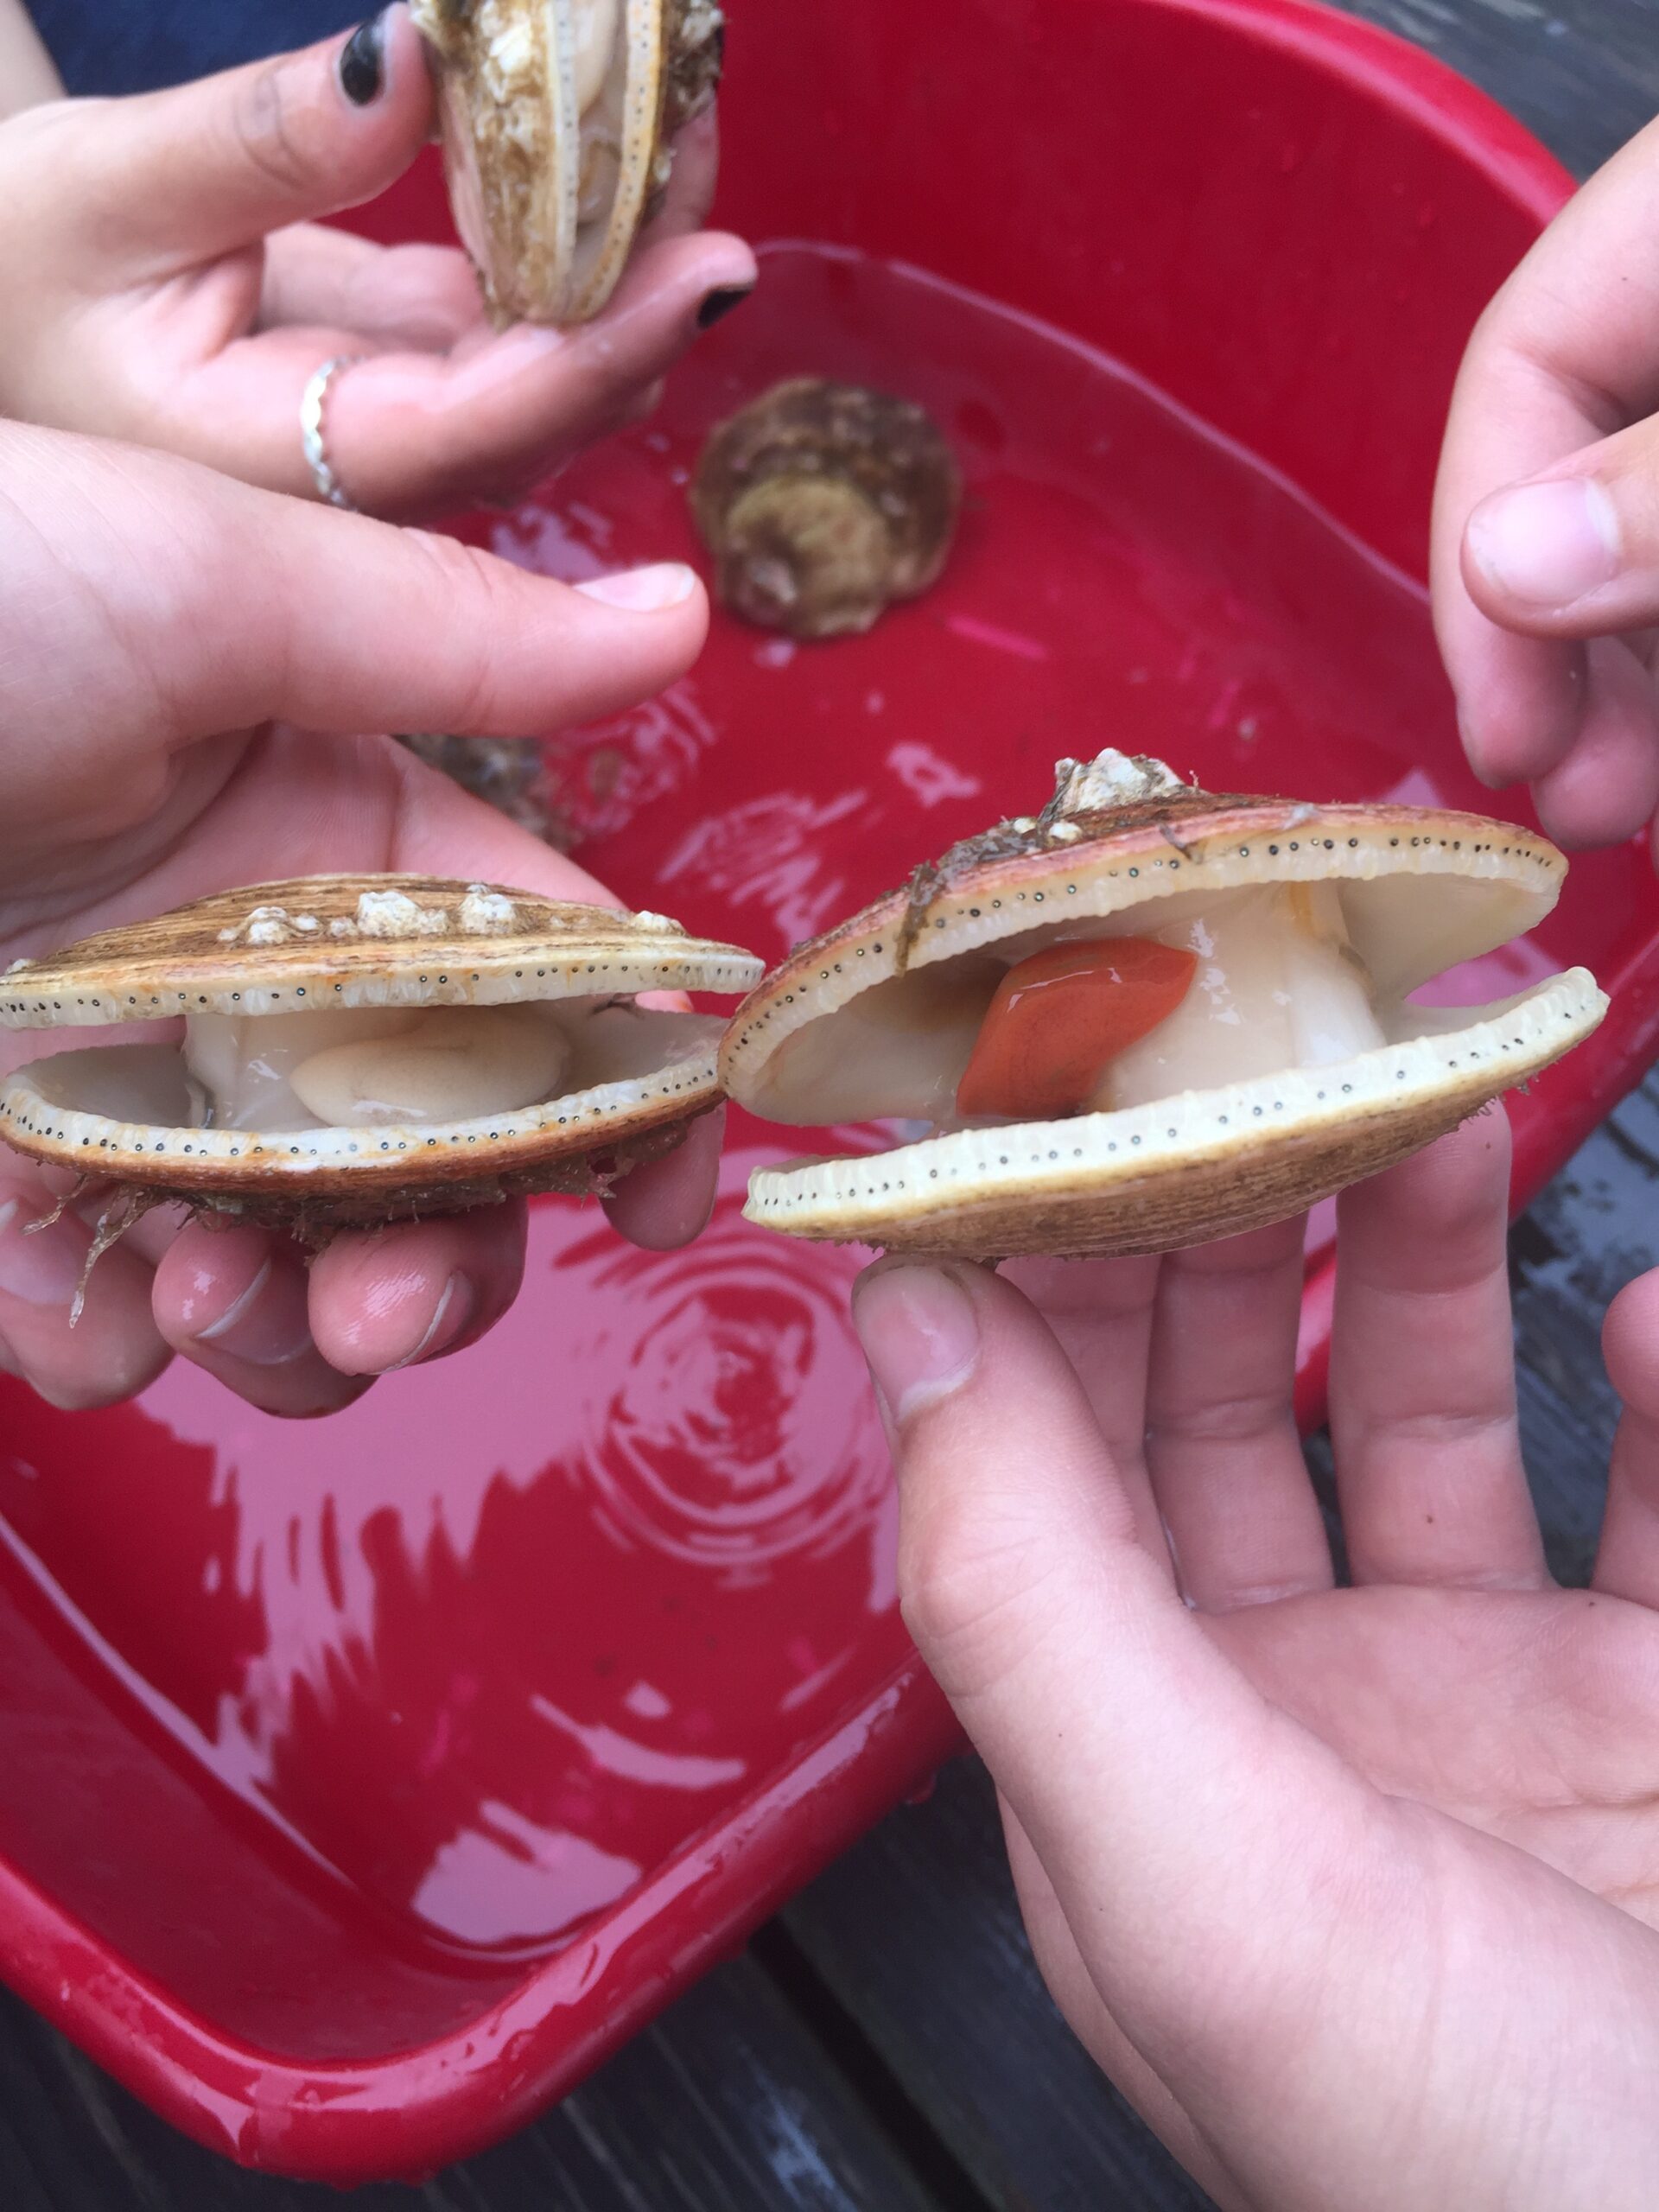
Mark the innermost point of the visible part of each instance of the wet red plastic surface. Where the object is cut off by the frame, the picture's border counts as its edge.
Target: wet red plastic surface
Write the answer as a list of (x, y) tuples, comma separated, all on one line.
[(362, 1785)]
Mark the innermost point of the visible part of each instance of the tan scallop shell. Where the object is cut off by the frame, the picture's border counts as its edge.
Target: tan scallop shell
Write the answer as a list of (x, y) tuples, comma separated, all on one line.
[(558, 118), (1422, 890), (354, 942), (823, 504)]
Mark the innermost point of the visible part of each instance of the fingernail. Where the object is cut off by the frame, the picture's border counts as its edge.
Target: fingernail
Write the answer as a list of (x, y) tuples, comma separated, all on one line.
[(448, 1323), (363, 61), (718, 305), (920, 1334), (268, 1325), (1547, 544), (643, 591), (42, 1267)]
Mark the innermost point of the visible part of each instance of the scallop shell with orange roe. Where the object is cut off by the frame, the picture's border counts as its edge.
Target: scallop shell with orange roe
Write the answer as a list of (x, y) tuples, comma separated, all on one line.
[(1299, 1061), (365, 1049)]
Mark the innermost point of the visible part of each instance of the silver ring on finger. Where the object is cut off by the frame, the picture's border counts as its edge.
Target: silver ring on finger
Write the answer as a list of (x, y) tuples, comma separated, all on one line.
[(313, 436)]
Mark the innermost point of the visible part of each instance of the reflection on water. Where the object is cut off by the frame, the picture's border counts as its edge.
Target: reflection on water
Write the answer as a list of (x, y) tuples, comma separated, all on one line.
[(494, 1638), (731, 1440)]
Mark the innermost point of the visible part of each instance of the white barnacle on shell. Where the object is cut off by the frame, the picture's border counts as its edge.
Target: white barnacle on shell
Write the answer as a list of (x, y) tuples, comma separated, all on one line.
[(484, 913), (1112, 779), (661, 923), (394, 913), (264, 925)]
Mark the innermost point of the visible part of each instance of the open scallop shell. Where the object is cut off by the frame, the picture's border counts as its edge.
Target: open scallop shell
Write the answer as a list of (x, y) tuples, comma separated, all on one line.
[(557, 117), (122, 1114), (1124, 848)]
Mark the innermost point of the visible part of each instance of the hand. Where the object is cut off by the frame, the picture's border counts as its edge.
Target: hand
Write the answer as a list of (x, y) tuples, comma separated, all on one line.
[(165, 283), (184, 665), (1352, 1891), (1546, 539)]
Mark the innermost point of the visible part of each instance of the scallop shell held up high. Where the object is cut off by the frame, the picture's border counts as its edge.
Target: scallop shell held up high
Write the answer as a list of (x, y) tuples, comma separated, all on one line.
[(558, 118), (1298, 1062), (363, 1049)]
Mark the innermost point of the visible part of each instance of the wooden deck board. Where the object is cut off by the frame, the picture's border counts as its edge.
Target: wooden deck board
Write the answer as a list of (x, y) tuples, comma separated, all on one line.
[(727, 2105), (1583, 75)]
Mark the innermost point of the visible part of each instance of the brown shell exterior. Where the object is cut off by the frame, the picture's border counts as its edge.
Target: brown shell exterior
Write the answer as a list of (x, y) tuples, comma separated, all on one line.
[(889, 452), (695, 35), (167, 966)]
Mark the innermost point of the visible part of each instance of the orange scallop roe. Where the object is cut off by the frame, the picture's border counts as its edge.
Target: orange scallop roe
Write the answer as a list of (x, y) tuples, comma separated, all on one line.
[(1059, 1019)]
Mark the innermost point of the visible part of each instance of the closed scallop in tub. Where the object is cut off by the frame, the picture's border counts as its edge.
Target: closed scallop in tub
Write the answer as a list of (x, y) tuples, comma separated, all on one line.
[(558, 119), (1149, 1016)]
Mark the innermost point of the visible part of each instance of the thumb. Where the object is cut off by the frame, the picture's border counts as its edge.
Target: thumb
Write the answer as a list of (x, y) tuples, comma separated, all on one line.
[(1157, 1789), (1574, 552), (189, 175), (186, 604)]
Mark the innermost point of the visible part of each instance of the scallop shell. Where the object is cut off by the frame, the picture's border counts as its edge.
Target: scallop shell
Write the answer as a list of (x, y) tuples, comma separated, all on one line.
[(824, 503), (353, 942), (1421, 891), (557, 117)]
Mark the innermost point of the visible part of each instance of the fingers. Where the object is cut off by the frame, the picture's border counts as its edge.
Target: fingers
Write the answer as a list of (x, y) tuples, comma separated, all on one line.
[(183, 176), (1564, 359), (409, 432), (302, 1341), (1429, 1472), (1627, 1559), (1607, 786), (395, 1298), (339, 624), (233, 1302), (691, 185), (667, 1203), (422, 298), (113, 1350), (1573, 553), (1222, 1444), (1100, 1312)]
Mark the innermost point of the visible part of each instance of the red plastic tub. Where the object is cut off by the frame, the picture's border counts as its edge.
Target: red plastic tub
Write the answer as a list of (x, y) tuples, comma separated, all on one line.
[(362, 1785)]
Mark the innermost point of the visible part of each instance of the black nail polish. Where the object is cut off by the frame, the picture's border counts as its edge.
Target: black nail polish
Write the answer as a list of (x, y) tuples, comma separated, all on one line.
[(720, 304), (363, 61)]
